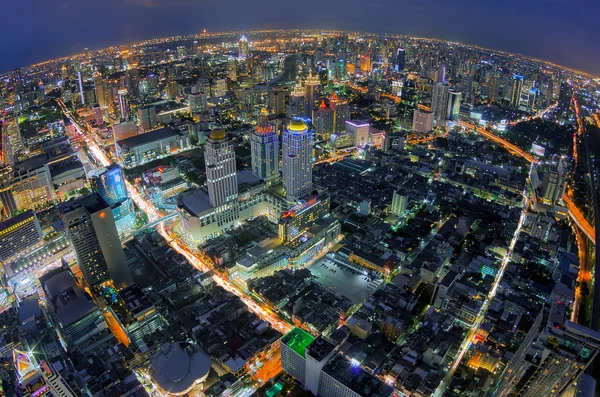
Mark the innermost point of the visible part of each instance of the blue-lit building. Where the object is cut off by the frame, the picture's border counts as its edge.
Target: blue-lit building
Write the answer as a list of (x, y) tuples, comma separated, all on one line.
[(109, 183)]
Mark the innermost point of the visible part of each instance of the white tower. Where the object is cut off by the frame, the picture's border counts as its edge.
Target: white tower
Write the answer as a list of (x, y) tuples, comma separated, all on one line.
[(221, 174), (297, 160)]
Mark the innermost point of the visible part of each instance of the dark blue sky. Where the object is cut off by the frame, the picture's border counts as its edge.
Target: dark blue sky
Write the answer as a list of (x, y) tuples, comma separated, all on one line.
[(563, 31)]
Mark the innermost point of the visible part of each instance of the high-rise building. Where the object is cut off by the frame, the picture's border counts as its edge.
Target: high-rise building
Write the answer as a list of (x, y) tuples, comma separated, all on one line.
[(364, 63), (243, 47), (123, 104), (453, 111), (311, 87), (341, 112), (18, 236), (39, 379), (439, 101), (399, 203), (551, 184), (551, 361), (297, 160), (399, 60), (197, 103), (221, 176), (93, 234), (440, 74), (109, 183), (393, 142), (422, 121), (323, 120), (564, 98), (25, 189), (293, 353), (296, 102), (264, 145), (517, 90), (148, 118)]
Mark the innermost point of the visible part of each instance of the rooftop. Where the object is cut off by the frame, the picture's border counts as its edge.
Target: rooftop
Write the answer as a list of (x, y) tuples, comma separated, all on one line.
[(298, 340), (151, 136)]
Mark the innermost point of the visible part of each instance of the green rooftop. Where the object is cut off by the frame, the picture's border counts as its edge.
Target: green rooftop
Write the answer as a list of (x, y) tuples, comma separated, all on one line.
[(298, 340), (277, 387)]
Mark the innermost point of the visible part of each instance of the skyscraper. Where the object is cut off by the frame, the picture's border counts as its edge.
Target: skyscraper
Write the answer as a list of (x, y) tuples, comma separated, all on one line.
[(221, 175), (399, 60), (311, 87), (39, 380), (439, 101), (453, 111), (147, 117), (109, 183), (243, 48), (422, 121), (123, 104), (93, 234), (296, 102), (297, 160), (516, 92), (564, 98), (264, 144), (341, 112), (324, 121)]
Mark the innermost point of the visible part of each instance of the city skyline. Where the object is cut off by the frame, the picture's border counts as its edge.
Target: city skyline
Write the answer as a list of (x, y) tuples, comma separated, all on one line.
[(549, 31)]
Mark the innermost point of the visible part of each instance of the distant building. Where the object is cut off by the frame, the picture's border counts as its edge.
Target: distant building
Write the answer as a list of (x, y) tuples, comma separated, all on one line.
[(439, 101), (341, 113), (324, 121), (147, 117), (454, 99), (360, 130), (422, 121), (243, 48)]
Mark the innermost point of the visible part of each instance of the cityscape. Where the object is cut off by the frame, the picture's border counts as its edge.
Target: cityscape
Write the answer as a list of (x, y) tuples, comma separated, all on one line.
[(299, 213)]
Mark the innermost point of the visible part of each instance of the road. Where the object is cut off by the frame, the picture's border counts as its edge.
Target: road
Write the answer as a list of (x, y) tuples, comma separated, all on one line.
[(473, 330)]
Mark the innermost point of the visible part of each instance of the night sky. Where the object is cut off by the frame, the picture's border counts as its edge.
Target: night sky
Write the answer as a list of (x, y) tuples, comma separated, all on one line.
[(563, 31)]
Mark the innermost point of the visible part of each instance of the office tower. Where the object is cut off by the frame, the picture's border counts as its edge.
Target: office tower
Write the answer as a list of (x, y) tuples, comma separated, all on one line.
[(109, 183), (148, 118), (408, 104), (453, 111), (98, 117), (323, 121), (311, 87), (439, 101), (360, 130), (564, 98), (221, 176), (296, 102), (551, 361), (243, 48), (39, 379), (399, 203), (123, 104), (298, 219), (297, 160), (516, 92), (197, 103), (393, 142), (341, 112), (422, 121), (551, 184), (440, 74), (93, 234), (364, 63), (399, 60), (18, 236), (278, 98), (264, 145)]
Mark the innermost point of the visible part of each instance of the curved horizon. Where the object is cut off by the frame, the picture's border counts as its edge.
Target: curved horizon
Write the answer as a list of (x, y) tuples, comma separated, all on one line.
[(557, 31), (250, 32)]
